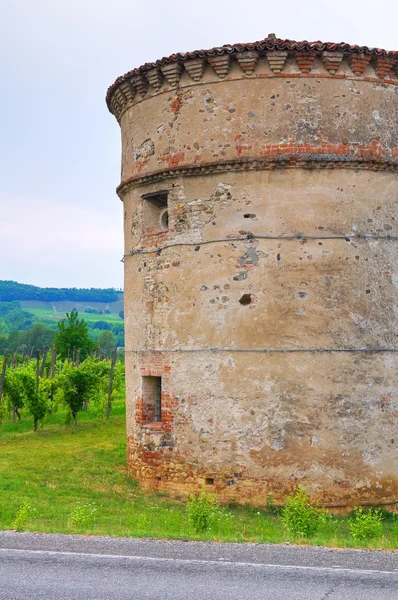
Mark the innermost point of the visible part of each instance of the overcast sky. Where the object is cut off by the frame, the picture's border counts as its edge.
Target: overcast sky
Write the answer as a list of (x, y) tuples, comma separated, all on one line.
[(60, 219)]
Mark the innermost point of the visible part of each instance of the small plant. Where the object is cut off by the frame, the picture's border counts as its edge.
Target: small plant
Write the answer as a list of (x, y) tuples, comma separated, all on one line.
[(83, 515), (365, 525), (270, 507), (142, 521), (299, 516), (22, 517), (394, 529), (202, 510)]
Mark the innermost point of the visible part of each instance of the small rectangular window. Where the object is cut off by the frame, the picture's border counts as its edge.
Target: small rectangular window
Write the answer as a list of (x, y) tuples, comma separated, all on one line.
[(155, 211), (152, 398)]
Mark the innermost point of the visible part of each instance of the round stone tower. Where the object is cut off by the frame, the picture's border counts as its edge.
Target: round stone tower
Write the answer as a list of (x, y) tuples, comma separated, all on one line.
[(260, 192)]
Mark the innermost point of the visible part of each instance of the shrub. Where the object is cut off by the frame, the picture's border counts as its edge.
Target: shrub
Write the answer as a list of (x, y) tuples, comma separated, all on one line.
[(202, 511), (365, 525), (301, 518)]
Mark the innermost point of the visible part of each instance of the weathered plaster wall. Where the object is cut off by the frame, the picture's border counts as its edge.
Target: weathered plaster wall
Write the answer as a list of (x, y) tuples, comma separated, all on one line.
[(264, 424), (324, 419), (269, 305), (220, 121)]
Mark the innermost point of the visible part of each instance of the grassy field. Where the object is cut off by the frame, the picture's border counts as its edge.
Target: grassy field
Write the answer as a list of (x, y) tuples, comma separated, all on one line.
[(67, 305), (73, 480), (48, 315)]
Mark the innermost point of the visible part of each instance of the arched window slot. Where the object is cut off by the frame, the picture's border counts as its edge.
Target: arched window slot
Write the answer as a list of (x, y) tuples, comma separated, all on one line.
[(155, 210)]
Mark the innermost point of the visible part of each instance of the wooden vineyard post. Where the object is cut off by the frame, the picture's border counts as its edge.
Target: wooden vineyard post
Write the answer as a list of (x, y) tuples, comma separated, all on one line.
[(43, 364), (37, 384), (53, 359), (14, 359), (52, 374), (2, 377), (37, 371), (109, 403)]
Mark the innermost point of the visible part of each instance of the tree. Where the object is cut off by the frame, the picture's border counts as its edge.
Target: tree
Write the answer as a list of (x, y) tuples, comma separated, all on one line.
[(3, 342), (101, 325), (15, 340), (39, 337), (106, 342), (73, 333)]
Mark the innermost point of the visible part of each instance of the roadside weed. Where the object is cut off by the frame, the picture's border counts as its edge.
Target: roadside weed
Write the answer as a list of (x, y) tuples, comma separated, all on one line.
[(203, 511), (270, 507), (83, 515), (301, 518), (365, 525), (394, 529), (22, 517)]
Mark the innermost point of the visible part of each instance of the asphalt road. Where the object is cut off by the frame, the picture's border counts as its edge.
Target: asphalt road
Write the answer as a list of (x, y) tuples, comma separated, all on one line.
[(35, 566)]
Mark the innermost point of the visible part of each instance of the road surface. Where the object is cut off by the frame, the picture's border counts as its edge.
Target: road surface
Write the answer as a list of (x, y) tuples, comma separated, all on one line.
[(49, 567)]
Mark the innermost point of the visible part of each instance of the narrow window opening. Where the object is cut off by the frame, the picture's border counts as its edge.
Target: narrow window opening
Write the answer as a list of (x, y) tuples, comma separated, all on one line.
[(155, 210), (152, 399), (209, 481)]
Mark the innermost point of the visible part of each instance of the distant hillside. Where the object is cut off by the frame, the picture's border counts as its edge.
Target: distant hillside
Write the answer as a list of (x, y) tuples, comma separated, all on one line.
[(11, 290)]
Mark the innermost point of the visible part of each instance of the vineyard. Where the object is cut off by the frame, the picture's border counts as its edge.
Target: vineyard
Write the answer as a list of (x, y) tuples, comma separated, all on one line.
[(46, 383)]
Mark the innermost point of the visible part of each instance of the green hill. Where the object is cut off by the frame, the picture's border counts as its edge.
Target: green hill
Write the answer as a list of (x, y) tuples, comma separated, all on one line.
[(23, 306), (11, 290)]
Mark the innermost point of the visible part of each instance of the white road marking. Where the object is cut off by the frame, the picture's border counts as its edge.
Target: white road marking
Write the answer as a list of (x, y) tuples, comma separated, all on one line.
[(195, 561)]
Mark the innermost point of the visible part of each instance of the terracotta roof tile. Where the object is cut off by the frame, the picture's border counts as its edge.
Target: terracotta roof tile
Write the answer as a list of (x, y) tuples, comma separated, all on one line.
[(269, 43)]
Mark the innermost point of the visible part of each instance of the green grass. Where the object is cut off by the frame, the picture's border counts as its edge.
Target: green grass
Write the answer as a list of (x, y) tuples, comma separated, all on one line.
[(74, 481), (48, 315), (67, 305)]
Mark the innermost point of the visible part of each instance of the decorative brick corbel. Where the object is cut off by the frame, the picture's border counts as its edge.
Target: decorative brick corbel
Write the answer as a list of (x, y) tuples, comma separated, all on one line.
[(128, 89), (276, 60), (395, 69), (195, 68), (384, 66), (118, 102), (140, 83), (247, 61), (220, 64), (116, 109), (332, 61), (358, 63), (155, 78), (172, 72), (305, 60)]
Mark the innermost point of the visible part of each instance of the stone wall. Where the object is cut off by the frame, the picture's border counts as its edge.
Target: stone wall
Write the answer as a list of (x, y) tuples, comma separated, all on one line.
[(268, 305)]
